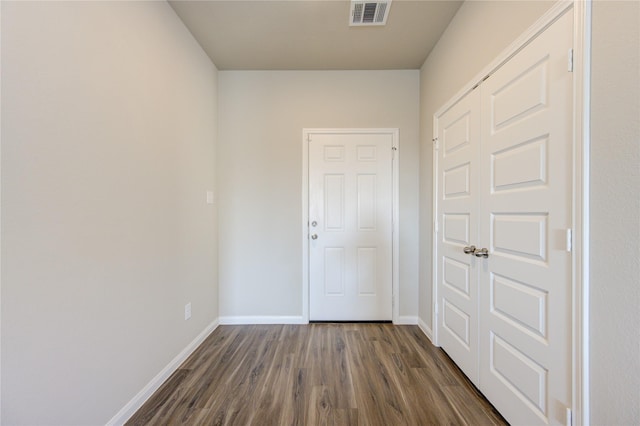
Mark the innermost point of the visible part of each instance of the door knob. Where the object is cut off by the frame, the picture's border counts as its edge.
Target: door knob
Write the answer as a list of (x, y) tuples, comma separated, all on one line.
[(483, 252), (314, 236), (469, 249)]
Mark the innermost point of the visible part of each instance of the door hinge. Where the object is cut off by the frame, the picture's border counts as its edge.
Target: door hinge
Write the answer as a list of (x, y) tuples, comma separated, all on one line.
[(569, 240), (435, 226), (570, 60), (436, 143), (569, 419)]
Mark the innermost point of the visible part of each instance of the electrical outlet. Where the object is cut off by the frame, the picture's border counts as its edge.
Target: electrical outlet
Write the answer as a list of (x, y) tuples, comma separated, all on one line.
[(187, 311), (209, 197)]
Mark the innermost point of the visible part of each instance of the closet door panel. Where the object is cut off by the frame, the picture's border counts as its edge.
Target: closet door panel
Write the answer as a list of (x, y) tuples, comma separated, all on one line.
[(525, 211), (458, 192)]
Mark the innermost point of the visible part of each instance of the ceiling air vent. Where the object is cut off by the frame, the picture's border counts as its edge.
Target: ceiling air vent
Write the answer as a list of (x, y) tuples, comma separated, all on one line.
[(369, 12)]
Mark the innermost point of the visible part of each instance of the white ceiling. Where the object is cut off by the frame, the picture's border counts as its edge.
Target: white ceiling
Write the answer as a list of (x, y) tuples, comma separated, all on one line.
[(313, 34)]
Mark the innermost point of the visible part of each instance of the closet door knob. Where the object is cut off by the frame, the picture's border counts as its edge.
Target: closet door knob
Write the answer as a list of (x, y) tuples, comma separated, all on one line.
[(469, 249), (483, 252)]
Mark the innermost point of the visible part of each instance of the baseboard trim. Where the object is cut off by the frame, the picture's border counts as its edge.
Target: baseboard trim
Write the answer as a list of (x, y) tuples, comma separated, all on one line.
[(425, 329), (270, 319), (134, 405), (406, 320)]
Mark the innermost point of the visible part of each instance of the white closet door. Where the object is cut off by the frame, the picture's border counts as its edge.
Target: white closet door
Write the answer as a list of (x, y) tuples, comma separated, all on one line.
[(525, 303), (458, 192)]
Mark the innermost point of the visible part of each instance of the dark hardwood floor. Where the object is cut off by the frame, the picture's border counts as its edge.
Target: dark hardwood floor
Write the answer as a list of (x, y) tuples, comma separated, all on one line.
[(317, 374)]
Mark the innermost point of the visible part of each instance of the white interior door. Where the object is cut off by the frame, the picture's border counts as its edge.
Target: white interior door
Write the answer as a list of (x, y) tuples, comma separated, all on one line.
[(505, 195), (458, 203), (525, 214), (350, 227)]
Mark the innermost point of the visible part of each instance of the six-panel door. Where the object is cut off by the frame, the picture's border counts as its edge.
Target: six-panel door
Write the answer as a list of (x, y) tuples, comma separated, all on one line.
[(350, 227)]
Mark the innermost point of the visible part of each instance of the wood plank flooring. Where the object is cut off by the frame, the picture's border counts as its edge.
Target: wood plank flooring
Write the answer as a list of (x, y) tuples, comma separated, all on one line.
[(317, 374)]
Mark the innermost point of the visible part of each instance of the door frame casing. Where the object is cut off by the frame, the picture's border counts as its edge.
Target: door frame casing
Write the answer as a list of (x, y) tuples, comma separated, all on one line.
[(580, 413), (395, 209)]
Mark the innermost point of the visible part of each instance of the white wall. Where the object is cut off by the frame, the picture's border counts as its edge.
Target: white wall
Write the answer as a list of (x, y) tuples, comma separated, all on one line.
[(615, 214), (262, 115), (108, 137), (476, 35)]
